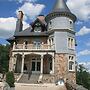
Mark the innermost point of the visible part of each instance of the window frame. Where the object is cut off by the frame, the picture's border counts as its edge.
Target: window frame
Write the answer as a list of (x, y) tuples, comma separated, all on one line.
[(71, 43), (37, 25), (70, 59)]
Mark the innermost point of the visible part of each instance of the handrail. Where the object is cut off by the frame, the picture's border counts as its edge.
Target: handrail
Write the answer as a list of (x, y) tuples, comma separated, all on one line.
[(19, 77), (32, 46)]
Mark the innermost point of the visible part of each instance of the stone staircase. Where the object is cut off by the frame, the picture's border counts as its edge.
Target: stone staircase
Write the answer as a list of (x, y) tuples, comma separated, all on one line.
[(31, 83), (32, 79), (47, 78), (21, 86)]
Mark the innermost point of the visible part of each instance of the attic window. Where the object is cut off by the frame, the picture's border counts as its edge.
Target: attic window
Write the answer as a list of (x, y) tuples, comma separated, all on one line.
[(37, 27), (37, 24)]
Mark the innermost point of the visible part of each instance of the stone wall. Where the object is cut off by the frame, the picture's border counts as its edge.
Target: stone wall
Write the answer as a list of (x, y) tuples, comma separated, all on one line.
[(71, 77), (61, 68)]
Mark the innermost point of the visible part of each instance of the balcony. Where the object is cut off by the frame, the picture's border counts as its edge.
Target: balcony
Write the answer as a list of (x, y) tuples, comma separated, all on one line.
[(33, 47)]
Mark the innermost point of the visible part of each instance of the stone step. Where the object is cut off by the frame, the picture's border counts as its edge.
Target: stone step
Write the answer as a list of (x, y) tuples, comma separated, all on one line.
[(47, 78), (38, 87), (32, 79)]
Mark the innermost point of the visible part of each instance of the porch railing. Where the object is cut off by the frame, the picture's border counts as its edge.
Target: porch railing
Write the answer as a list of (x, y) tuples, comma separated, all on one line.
[(34, 47)]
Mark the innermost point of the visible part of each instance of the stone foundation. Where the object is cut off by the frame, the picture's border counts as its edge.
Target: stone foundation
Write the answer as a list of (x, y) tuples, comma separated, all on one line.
[(71, 77), (61, 68)]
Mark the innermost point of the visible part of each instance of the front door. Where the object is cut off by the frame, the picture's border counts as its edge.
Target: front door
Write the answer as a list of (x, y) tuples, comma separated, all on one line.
[(36, 65)]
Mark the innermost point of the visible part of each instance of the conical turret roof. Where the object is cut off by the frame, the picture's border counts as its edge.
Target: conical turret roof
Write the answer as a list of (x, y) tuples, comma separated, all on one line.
[(60, 6), (60, 9)]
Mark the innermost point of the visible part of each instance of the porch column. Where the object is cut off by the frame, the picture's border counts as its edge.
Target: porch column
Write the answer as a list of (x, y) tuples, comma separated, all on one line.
[(11, 64), (41, 64), (14, 45), (22, 63), (24, 45), (14, 62)]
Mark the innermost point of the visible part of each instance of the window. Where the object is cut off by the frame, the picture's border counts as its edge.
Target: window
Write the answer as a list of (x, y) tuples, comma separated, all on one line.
[(71, 58), (71, 63), (71, 43), (37, 45), (26, 42), (71, 24), (50, 25), (37, 27)]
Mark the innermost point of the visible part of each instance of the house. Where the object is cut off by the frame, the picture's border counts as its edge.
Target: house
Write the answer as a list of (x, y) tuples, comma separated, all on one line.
[(45, 51)]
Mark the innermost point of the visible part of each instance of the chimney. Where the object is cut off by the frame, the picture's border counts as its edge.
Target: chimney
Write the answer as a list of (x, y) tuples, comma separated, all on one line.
[(19, 24), (20, 15)]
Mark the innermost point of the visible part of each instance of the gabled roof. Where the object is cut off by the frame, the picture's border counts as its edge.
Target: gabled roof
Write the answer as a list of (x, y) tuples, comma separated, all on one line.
[(29, 30), (24, 32), (41, 19), (27, 33)]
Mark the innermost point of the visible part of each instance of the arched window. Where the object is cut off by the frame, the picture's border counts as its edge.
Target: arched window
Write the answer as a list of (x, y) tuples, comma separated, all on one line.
[(71, 65)]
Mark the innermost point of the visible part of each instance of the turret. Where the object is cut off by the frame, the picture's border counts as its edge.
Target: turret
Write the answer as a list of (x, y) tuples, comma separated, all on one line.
[(60, 14), (60, 23), (19, 24)]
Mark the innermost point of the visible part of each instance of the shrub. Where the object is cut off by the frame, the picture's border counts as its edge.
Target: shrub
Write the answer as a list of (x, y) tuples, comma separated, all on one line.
[(10, 79)]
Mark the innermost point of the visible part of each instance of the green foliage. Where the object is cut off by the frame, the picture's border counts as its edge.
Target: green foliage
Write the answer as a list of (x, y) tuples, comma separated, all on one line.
[(4, 58), (10, 79), (83, 77)]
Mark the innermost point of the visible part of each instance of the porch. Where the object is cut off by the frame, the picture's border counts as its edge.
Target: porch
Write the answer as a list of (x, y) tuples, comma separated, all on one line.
[(40, 65)]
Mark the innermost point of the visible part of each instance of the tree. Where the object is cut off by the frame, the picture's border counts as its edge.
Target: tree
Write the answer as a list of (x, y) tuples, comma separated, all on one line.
[(10, 79), (4, 58), (83, 77)]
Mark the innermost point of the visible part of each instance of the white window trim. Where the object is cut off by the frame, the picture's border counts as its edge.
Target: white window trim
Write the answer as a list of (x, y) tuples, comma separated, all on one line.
[(71, 45), (73, 67)]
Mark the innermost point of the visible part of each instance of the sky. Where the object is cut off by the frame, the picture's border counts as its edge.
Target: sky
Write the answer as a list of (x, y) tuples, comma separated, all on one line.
[(33, 8)]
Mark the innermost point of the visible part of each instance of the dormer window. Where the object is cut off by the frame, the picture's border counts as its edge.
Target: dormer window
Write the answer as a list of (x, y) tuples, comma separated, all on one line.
[(37, 27)]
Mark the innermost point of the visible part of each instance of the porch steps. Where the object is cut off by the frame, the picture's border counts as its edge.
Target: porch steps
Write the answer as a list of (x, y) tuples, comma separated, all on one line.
[(23, 86), (32, 79), (47, 78)]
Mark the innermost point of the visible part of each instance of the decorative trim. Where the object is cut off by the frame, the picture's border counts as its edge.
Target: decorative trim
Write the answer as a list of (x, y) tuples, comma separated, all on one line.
[(59, 14)]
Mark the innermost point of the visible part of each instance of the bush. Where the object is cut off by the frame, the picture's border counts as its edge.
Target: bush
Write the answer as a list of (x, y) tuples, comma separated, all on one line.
[(10, 79)]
